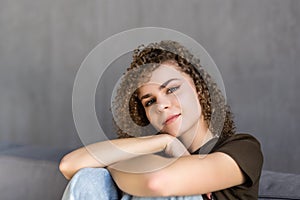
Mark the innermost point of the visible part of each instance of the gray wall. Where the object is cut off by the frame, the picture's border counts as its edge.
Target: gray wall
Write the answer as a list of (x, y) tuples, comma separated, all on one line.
[(254, 43)]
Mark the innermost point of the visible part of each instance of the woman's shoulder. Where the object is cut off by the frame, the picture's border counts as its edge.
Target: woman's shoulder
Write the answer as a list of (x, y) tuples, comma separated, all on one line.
[(238, 139), (245, 149), (242, 147)]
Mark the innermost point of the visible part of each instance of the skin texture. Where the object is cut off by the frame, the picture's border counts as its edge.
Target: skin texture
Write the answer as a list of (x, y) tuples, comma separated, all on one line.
[(172, 107)]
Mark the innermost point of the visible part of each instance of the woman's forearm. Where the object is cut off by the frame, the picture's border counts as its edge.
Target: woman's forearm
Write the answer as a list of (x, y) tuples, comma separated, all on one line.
[(105, 153)]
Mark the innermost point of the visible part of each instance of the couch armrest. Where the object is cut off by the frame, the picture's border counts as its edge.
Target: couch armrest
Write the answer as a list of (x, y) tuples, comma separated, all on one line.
[(276, 185)]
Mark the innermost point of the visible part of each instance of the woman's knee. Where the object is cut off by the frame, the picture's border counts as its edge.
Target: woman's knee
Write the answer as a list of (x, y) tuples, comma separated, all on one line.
[(90, 173), (92, 183), (91, 178)]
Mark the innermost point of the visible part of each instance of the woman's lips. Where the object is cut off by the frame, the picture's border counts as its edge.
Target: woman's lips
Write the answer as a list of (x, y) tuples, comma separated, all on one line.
[(171, 118)]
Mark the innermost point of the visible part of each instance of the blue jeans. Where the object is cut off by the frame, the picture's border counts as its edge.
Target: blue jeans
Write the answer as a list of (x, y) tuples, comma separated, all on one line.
[(97, 184)]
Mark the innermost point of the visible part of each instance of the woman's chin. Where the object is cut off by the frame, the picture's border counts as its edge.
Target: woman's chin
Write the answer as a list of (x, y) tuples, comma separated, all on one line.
[(172, 133)]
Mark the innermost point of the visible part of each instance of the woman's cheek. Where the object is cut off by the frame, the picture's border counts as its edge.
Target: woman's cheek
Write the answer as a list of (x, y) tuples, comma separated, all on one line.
[(150, 117)]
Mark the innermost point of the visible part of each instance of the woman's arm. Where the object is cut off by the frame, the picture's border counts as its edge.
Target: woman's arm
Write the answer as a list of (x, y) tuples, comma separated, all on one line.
[(109, 152), (188, 175)]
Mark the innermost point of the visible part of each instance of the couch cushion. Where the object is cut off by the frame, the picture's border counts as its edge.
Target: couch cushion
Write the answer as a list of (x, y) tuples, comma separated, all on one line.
[(31, 172), (22, 178), (5, 146), (275, 185), (33, 152)]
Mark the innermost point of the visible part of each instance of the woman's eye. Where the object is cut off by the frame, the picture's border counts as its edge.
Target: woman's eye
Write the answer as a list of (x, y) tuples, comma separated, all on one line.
[(172, 89), (149, 103)]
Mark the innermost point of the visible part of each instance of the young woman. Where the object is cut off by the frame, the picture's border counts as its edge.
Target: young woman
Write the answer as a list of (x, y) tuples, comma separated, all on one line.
[(200, 156)]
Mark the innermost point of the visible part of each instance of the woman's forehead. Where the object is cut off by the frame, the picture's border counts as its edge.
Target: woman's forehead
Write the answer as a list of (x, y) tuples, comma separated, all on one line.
[(165, 72), (168, 71)]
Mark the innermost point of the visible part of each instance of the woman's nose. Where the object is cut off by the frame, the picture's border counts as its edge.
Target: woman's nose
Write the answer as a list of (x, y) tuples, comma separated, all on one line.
[(163, 103)]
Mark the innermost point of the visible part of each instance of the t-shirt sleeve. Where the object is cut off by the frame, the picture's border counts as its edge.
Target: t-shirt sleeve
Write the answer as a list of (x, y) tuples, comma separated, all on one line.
[(245, 150)]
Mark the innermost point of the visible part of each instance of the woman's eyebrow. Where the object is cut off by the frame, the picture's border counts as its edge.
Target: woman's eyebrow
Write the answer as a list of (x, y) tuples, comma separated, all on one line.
[(145, 96), (160, 87), (167, 82)]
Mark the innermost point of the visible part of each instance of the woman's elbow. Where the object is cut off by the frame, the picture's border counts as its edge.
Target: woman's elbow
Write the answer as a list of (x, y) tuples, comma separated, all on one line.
[(156, 184), (65, 168)]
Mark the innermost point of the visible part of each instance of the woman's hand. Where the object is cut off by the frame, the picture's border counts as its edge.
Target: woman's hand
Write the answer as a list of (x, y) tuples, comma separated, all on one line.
[(175, 148)]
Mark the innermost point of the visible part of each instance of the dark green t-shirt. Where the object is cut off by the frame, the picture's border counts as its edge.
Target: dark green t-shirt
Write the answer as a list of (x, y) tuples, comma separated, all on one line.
[(246, 152)]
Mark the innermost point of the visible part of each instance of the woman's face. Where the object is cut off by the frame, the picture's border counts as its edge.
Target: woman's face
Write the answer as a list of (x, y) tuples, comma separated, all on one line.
[(170, 101)]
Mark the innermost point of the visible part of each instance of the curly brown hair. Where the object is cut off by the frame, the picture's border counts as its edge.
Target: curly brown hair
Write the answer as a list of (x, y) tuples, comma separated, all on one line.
[(129, 114)]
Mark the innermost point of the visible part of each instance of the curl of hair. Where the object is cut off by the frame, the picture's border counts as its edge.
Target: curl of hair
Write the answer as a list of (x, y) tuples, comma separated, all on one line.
[(152, 56)]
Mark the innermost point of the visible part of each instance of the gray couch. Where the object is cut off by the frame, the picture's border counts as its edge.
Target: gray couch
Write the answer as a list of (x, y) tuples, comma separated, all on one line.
[(31, 173)]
